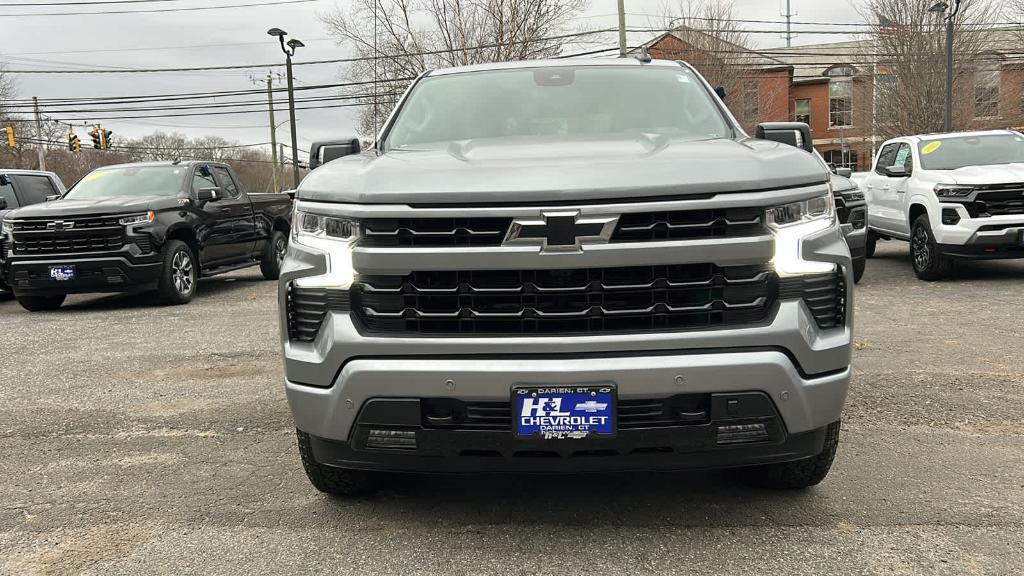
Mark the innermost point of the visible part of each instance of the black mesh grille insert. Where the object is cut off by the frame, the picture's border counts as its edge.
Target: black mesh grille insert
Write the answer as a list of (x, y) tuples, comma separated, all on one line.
[(825, 295), (640, 227), (70, 235), (307, 308), (679, 410), (644, 298)]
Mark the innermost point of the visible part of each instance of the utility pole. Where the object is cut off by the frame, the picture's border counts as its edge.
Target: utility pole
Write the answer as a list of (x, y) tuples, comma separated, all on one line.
[(947, 117), (789, 23), (39, 134), (622, 28), (280, 157), (273, 133)]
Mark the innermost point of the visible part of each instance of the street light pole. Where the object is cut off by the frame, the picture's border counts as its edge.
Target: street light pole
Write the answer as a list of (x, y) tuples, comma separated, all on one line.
[(291, 117), (289, 51), (947, 117), (622, 28), (273, 133)]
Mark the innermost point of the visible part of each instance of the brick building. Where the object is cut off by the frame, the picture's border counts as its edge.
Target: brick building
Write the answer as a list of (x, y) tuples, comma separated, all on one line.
[(829, 87)]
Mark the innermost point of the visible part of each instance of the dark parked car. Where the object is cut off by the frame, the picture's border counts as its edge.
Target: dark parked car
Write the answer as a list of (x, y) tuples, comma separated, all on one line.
[(21, 188), (139, 227)]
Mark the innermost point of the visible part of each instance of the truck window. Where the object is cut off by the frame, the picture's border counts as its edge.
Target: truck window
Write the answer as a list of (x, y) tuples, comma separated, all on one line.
[(904, 158), (7, 193), (34, 189), (226, 181), (962, 151), (131, 182), (557, 104), (887, 157), (202, 179)]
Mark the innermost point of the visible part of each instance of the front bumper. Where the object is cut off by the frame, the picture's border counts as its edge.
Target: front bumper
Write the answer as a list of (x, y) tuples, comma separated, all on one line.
[(803, 403), (123, 271), (970, 237), (855, 229)]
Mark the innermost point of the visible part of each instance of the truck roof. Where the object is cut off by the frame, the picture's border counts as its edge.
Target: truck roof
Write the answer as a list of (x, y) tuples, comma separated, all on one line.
[(27, 172), (553, 64), (164, 163), (943, 135)]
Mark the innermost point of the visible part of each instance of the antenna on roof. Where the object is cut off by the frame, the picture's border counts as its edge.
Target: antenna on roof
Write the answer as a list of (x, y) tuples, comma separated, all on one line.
[(644, 56)]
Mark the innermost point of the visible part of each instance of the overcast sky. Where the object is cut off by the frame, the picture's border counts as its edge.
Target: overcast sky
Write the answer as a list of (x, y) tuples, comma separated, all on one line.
[(238, 36)]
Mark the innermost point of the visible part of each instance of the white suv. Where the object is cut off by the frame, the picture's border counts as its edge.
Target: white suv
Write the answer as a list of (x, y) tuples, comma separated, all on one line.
[(952, 196)]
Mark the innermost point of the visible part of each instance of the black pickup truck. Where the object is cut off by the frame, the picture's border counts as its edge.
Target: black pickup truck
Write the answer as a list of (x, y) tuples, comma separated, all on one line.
[(143, 227)]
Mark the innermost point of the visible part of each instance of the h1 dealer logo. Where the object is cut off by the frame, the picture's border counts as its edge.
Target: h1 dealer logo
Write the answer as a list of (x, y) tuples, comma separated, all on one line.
[(548, 415)]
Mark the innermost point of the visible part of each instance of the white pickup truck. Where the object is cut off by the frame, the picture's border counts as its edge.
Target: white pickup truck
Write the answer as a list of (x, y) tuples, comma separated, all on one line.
[(952, 196)]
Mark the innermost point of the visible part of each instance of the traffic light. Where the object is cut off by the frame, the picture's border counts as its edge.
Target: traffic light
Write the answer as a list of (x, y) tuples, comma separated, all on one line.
[(95, 135), (9, 133), (74, 144), (105, 138)]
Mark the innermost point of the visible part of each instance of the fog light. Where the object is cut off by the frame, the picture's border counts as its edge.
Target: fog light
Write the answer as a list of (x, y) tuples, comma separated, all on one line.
[(741, 433), (950, 217), (391, 439)]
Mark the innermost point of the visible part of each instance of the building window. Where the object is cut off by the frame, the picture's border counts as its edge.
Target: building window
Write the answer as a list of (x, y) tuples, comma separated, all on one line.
[(840, 96), (841, 159), (751, 100), (987, 78), (802, 111)]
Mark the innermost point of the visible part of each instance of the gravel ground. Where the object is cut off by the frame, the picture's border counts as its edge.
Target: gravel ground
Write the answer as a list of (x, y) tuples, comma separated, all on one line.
[(150, 440)]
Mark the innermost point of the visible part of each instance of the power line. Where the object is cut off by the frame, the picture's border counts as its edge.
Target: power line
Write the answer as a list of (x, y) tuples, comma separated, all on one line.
[(189, 9), (35, 4)]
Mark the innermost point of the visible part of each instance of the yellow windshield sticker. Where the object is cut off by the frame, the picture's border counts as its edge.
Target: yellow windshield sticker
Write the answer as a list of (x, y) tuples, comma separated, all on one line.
[(93, 176), (931, 147)]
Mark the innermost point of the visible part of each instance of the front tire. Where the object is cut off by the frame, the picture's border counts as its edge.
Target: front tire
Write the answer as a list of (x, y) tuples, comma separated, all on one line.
[(859, 264), (872, 241), (273, 255), (331, 480), (37, 303), (179, 276), (800, 474), (929, 263)]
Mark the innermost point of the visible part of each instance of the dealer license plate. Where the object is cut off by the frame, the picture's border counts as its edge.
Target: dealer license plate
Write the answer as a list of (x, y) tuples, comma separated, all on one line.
[(564, 412), (62, 273)]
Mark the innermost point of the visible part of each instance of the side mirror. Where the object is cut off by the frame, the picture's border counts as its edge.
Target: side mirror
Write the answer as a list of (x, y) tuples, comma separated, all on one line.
[(793, 133), (323, 152), (896, 172), (208, 194), (3, 203), (4, 180), (720, 90), (844, 172)]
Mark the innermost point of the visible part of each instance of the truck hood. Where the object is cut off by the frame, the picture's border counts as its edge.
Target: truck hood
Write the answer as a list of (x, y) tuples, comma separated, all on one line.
[(96, 206), (995, 174), (495, 171)]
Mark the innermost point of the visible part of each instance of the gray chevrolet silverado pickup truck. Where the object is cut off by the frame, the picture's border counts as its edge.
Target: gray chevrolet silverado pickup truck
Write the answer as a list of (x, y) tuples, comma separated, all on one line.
[(566, 266)]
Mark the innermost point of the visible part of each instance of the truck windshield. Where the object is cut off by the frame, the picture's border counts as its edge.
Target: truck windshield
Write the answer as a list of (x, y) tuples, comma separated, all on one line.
[(960, 152), (557, 104), (130, 181)]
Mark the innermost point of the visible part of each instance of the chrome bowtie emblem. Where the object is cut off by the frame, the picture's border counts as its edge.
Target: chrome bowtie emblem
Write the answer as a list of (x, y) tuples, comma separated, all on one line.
[(565, 231), (59, 225)]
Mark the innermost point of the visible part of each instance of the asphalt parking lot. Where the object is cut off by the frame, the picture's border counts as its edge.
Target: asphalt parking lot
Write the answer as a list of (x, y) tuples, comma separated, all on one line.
[(156, 440)]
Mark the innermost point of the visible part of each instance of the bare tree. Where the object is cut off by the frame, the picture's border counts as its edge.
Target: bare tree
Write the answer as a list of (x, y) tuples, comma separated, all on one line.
[(711, 40), (7, 91), (396, 40), (909, 62)]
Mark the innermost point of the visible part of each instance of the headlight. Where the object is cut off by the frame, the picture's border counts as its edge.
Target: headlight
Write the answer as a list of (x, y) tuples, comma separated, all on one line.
[(308, 226), (793, 222), (852, 194), (334, 237), (137, 219), (952, 191), (6, 226)]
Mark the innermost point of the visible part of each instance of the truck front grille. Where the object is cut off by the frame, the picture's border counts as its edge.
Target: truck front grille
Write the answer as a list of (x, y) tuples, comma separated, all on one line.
[(997, 200), (67, 236), (639, 227), (643, 298)]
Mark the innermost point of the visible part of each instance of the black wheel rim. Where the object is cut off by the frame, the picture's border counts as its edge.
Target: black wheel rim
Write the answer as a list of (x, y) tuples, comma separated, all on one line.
[(183, 273), (921, 248), (280, 248)]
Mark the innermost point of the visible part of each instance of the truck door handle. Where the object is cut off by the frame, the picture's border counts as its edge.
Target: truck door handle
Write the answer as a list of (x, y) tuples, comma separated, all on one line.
[(225, 210), (900, 191), (886, 188)]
